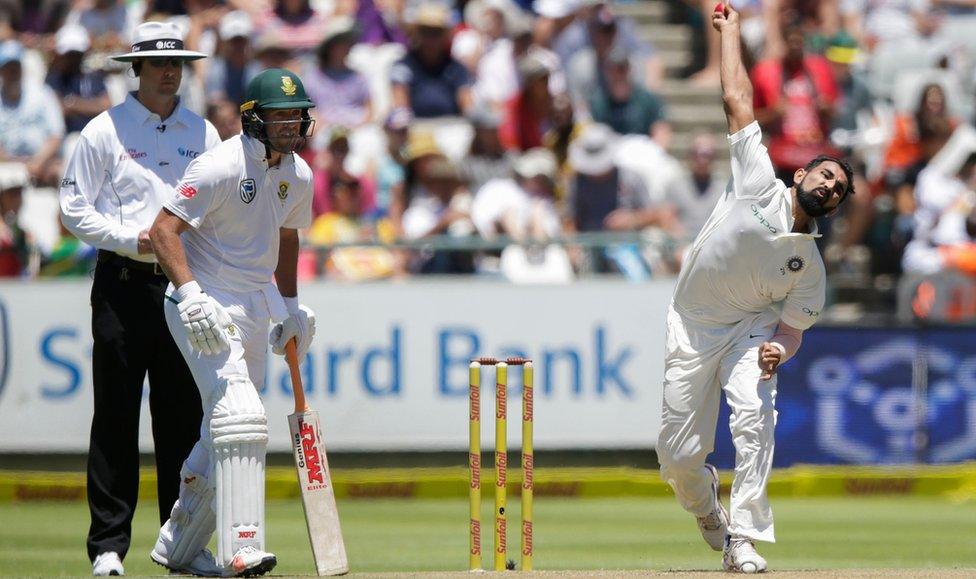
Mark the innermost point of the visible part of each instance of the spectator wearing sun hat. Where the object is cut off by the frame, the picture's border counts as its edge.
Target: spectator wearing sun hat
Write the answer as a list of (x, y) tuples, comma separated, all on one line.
[(602, 196), (16, 247), (627, 107), (330, 170), (31, 123), (341, 95), (487, 159), (82, 93), (854, 96), (106, 21), (527, 115), (428, 80), (233, 67), (298, 24), (441, 206), (522, 204), (389, 170)]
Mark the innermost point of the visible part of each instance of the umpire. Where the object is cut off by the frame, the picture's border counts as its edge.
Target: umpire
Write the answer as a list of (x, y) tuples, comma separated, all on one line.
[(126, 161)]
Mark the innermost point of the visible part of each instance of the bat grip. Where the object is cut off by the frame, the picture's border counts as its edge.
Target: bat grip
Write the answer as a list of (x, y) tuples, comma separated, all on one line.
[(291, 356)]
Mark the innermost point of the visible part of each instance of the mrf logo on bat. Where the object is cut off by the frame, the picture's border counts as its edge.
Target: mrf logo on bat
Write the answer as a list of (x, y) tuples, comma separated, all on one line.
[(306, 441)]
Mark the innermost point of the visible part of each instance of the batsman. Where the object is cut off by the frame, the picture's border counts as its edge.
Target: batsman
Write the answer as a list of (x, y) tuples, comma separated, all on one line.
[(752, 283), (228, 229)]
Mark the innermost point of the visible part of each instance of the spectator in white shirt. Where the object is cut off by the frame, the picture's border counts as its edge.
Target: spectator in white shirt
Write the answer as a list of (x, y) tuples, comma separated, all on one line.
[(943, 218), (31, 121), (521, 207)]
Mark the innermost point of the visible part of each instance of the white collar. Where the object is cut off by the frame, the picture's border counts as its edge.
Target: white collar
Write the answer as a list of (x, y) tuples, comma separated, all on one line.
[(814, 228), (256, 150), (143, 115)]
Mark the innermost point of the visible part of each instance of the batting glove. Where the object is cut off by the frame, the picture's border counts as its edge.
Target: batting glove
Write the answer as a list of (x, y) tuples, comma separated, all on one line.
[(299, 325), (205, 319)]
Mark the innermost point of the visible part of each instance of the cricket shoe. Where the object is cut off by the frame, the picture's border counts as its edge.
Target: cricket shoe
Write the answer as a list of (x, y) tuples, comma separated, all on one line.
[(203, 565), (251, 562), (741, 556), (106, 564), (715, 524)]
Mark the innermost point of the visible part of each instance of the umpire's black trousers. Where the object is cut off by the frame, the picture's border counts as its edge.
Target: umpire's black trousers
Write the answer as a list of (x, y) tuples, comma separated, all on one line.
[(131, 339)]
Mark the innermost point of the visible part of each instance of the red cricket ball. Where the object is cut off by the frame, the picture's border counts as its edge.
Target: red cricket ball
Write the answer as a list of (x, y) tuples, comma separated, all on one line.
[(720, 7)]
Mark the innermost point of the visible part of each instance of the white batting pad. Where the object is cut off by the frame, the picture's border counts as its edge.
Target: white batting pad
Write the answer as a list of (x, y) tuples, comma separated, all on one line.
[(191, 521), (239, 431)]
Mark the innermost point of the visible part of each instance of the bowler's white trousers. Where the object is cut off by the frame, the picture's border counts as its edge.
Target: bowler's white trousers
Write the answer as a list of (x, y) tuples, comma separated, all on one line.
[(702, 361)]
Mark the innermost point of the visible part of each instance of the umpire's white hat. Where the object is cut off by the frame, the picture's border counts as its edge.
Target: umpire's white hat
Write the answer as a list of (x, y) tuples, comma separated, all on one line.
[(158, 39)]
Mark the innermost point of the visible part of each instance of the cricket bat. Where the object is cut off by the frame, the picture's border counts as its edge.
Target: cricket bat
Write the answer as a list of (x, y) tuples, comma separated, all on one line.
[(315, 479)]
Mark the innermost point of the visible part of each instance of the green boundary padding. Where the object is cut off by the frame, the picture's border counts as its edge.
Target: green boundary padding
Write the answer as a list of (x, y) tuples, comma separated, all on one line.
[(957, 482)]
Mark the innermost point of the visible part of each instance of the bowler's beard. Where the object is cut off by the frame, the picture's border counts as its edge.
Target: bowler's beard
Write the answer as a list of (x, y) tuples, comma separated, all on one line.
[(809, 202)]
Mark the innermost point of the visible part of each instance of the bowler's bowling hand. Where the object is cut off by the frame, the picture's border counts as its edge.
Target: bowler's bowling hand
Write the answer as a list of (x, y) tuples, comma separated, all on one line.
[(769, 359), (724, 16)]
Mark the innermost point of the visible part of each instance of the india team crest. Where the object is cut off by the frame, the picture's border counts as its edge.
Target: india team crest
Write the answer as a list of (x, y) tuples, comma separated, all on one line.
[(248, 190), (283, 190), (288, 86), (795, 263)]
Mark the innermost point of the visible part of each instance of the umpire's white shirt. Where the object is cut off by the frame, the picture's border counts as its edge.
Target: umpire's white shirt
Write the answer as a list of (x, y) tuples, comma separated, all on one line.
[(125, 164), (236, 205), (746, 260)]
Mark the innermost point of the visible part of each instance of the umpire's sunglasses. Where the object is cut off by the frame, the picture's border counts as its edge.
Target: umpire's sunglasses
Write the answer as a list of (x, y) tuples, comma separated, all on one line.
[(162, 62)]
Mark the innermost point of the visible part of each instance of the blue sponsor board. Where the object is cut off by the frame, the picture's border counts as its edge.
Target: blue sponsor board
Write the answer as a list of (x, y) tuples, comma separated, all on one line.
[(873, 396)]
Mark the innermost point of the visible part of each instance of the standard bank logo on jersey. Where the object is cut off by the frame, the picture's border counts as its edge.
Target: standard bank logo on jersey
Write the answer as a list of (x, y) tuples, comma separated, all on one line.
[(248, 190)]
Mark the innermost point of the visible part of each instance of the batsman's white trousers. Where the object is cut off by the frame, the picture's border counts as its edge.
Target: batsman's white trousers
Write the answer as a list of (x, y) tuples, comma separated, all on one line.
[(702, 361), (233, 433), (251, 313)]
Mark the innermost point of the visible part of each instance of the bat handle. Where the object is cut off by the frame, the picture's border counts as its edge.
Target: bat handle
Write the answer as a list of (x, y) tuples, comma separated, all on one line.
[(291, 356)]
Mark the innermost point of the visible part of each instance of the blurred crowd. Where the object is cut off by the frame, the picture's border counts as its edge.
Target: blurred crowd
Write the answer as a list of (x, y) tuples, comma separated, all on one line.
[(528, 121)]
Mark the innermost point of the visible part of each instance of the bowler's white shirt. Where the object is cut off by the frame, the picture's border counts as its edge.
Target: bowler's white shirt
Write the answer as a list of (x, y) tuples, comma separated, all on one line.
[(236, 205), (123, 167), (746, 260)]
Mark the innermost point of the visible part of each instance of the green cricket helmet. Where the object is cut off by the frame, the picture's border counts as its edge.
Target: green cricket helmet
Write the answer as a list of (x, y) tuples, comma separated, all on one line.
[(275, 89)]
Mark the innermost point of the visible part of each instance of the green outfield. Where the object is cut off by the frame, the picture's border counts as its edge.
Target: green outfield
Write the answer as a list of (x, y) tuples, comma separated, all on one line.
[(396, 535)]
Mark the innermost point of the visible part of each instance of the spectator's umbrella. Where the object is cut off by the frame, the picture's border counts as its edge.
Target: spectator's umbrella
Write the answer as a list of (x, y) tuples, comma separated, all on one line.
[(158, 40)]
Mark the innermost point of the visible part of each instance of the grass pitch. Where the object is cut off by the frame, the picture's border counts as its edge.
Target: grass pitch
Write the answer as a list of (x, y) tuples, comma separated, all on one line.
[(850, 536)]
